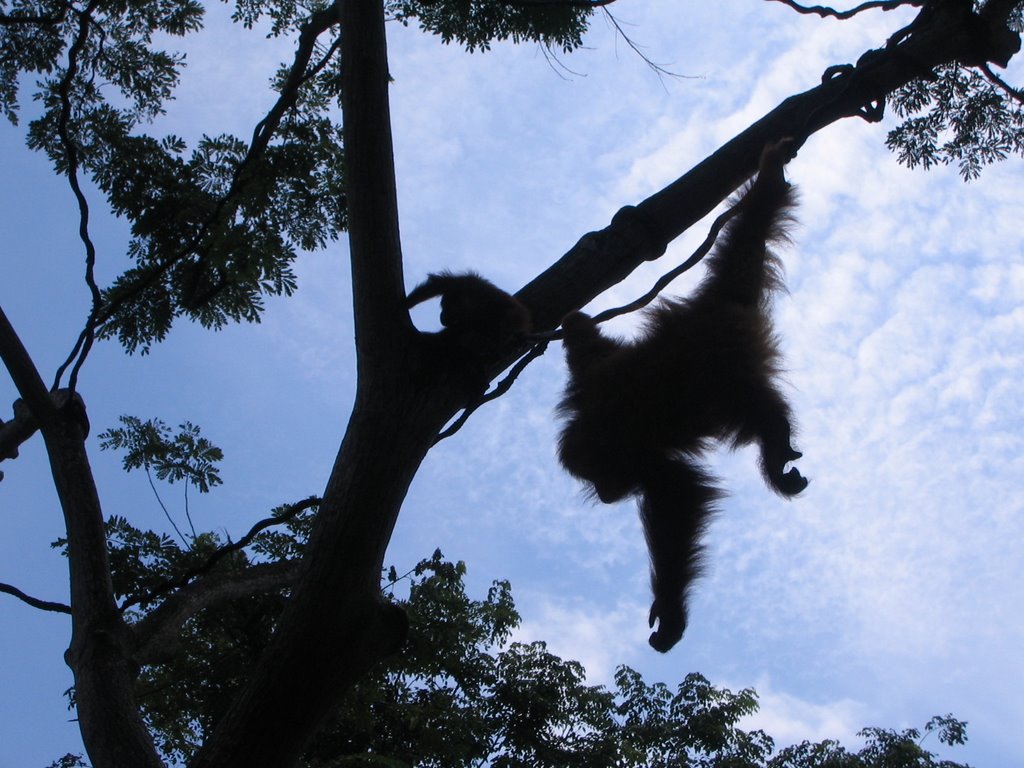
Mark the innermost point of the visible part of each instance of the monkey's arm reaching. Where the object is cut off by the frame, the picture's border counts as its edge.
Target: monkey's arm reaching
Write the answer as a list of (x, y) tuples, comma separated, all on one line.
[(743, 268)]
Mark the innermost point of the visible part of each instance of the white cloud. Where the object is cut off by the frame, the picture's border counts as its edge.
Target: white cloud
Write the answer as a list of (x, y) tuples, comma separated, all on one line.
[(597, 634), (790, 720)]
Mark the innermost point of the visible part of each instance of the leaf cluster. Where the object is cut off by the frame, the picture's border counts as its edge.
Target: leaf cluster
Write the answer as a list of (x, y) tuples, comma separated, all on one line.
[(149, 444), (883, 748), (215, 228), (957, 117), (216, 231), (698, 725), (115, 51), (182, 698), (461, 694), (475, 24)]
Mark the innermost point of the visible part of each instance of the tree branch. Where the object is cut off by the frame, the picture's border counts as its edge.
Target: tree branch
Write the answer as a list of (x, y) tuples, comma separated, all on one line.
[(85, 340), (824, 11), (539, 349), (112, 728), (998, 11), (43, 605), (336, 624), (24, 374), (111, 725), (378, 288), (207, 565), (499, 389), (1014, 93), (156, 635), (604, 258), (14, 433), (653, 66)]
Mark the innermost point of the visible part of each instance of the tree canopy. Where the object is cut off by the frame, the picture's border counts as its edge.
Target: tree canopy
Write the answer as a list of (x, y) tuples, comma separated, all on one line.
[(461, 692)]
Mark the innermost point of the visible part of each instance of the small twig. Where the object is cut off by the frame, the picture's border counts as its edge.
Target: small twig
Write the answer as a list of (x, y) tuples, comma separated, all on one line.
[(218, 555), (500, 389), (1014, 93), (556, 64), (825, 11), (167, 514), (317, 68), (397, 579), (187, 515), (657, 68), (43, 605)]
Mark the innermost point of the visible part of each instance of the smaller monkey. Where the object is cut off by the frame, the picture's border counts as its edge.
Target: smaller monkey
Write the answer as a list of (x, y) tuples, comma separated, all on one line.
[(479, 317), (480, 321)]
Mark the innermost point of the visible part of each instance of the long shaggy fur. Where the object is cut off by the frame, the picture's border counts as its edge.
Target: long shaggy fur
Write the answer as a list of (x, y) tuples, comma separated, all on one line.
[(639, 414)]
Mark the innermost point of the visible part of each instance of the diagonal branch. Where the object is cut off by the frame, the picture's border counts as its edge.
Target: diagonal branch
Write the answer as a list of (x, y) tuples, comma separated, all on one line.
[(111, 725), (207, 565), (43, 605), (539, 349), (1014, 93), (156, 634), (25, 375)]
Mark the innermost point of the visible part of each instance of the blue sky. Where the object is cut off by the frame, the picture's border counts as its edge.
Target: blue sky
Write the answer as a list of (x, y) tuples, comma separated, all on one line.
[(888, 592)]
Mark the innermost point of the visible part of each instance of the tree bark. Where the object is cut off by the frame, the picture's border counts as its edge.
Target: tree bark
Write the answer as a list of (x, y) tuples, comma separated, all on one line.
[(112, 728)]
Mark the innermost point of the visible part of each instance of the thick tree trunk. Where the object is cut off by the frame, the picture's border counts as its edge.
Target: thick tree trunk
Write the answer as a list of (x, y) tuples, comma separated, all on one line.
[(111, 725), (336, 625)]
